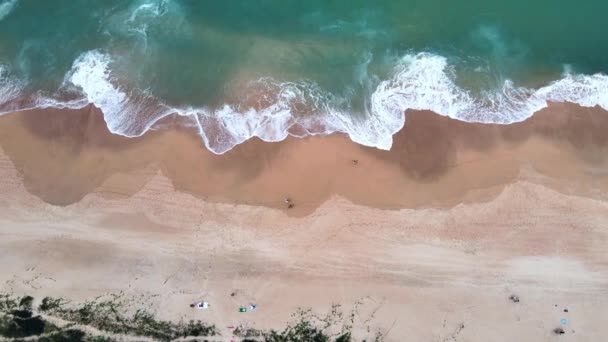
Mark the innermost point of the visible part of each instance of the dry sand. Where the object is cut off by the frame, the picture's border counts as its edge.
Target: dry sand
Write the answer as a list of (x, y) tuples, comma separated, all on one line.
[(425, 242)]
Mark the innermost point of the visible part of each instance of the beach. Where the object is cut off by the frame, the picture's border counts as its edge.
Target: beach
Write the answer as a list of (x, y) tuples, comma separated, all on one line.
[(425, 242), (286, 170)]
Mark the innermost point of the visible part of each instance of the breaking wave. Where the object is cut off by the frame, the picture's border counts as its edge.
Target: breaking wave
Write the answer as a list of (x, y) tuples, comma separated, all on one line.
[(425, 81), (10, 89), (273, 110), (6, 7)]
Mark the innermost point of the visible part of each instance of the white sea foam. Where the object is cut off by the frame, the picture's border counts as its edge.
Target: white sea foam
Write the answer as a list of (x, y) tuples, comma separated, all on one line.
[(133, 113), (91, 72), (272, 110), (6, 7), (10, 89), (162, 17), (141, 16), (147, 9), (129, 114), (276, 111), (426, 81)]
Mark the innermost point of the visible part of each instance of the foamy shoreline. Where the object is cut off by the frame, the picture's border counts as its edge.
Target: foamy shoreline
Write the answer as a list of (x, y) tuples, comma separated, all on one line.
[(435, 161), (422, 81)]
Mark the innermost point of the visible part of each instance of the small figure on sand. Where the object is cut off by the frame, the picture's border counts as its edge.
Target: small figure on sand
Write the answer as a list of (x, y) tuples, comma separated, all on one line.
[(355, 162), (559, 331), (200, 305), (514, 298), (289, 203)]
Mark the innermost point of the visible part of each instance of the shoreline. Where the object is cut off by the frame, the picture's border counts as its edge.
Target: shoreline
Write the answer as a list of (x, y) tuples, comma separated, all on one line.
[(256, 107), (435, 161), (430, 236)]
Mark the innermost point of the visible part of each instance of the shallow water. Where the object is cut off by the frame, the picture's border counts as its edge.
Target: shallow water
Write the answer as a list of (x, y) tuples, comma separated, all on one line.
[(269, 68)]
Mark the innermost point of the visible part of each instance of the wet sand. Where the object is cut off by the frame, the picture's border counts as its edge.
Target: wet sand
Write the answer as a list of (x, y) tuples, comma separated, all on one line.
[(434, 162), (433, 234)]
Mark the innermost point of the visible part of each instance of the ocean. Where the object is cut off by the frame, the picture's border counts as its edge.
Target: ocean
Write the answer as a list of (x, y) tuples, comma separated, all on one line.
[(235, 69)]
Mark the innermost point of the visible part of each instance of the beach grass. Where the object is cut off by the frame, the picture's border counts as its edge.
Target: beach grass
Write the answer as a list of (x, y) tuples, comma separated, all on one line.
[(110, 319)]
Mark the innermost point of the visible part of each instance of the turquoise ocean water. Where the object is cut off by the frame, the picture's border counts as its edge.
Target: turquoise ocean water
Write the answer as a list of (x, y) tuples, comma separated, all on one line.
[(234, 69)]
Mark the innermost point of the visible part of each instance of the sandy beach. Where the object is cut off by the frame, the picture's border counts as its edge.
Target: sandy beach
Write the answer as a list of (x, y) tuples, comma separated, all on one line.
[(425, 242)]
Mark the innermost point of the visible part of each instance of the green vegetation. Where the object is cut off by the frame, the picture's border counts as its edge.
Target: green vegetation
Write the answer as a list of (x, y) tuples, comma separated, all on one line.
[(110, 317), (17, 320), (303, 331), (51, 304), (306, 327)]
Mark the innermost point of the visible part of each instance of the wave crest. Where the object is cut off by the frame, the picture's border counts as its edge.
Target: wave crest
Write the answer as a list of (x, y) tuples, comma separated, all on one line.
[(10, 90), (6, 7), (426, 82), (129, 113), (272, 110)]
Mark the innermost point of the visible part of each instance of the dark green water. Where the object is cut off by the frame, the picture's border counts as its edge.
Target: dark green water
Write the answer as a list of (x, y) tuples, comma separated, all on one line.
[(242, 68)]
